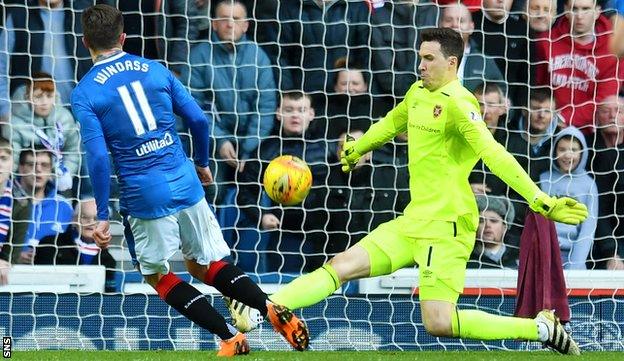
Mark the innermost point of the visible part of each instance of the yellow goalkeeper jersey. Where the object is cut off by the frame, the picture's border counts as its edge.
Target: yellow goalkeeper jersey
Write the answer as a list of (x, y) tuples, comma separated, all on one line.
[(446, 137)]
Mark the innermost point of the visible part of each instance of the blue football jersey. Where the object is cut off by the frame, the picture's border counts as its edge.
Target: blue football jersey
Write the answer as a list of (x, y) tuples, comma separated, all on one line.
[(130, 101)]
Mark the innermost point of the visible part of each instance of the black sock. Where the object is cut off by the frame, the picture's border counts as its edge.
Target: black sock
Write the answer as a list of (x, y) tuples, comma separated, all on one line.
[(187, 300), (232, 282)]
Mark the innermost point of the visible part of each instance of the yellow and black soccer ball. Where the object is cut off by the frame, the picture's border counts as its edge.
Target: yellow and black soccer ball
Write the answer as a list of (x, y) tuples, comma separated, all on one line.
[(287, 180)]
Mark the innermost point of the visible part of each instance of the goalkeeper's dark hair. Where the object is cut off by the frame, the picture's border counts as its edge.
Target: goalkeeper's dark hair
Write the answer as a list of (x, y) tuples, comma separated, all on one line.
[(540, 94), (294, 95), (450, 41), (102, 25)]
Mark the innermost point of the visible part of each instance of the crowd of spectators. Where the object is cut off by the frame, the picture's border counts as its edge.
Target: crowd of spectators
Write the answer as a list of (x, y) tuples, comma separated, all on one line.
[(295, 77)]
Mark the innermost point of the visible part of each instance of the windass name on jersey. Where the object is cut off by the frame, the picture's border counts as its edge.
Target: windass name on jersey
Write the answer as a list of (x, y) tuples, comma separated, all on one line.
[(154, 145), (105, 73)]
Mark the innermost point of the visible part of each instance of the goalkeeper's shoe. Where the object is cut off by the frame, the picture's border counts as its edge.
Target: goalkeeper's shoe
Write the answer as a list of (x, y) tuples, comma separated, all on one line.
[(289, 326), (558, 338), (244, 318), (235, 346)]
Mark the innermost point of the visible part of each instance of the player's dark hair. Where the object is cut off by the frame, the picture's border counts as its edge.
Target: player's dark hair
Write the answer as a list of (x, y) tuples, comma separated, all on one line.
[(33, 151), (540, 94), (294, 95), (102, 25), (450, 41)]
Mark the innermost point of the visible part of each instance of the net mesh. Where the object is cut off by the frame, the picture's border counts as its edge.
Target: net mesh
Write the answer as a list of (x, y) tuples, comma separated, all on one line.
[(355, 60)]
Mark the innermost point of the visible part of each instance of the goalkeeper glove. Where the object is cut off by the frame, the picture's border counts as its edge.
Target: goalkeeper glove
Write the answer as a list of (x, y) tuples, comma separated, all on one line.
[(349, 157), (564, 210)]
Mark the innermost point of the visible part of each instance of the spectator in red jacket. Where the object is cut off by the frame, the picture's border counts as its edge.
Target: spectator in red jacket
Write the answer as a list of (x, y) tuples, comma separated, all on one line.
[(575, 60)]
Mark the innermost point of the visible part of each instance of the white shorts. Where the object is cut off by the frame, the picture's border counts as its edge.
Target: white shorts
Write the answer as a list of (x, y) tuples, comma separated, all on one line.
[(194, 230)]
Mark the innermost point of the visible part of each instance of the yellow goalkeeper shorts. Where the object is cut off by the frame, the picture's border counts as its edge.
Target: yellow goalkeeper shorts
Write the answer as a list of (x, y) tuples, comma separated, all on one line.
[(441, 251)]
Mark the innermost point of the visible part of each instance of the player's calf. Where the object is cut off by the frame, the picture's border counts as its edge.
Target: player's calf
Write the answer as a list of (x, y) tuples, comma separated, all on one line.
[(191, 303), (233, 283)]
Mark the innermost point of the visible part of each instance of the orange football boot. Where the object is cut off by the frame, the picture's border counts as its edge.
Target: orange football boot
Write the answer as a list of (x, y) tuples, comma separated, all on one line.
[(289, 326), (235, 346)]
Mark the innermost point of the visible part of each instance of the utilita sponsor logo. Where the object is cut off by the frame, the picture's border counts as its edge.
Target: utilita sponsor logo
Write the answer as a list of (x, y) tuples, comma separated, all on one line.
[(154, 145)]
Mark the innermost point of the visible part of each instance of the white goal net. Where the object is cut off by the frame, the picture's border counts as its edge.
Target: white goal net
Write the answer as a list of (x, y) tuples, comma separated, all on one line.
[(293, 78)]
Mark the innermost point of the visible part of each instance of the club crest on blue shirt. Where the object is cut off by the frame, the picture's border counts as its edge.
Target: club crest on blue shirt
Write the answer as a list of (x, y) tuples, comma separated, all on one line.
[(437, 110)]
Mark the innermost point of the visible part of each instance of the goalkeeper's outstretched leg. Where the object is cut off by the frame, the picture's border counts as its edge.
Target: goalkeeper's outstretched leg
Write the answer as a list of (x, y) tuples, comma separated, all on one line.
[(443, 319), (312, 288), (442, 266)]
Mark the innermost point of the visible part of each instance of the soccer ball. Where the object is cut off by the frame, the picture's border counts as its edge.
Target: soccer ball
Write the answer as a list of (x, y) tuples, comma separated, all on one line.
[(287, 180)]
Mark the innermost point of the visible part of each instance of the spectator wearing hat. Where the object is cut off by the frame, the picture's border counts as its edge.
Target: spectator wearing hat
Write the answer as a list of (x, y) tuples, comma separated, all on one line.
[(495, 247)]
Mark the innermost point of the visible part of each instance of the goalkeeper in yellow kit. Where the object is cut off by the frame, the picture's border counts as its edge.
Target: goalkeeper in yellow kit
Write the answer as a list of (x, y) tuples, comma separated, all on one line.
[(446, 137)]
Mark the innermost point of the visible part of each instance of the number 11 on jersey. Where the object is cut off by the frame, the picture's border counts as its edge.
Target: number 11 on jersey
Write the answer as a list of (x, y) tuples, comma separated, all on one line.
[(146, 110)]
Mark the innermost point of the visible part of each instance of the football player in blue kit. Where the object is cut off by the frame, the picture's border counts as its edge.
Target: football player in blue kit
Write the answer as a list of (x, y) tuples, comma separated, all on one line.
[(126, 104)]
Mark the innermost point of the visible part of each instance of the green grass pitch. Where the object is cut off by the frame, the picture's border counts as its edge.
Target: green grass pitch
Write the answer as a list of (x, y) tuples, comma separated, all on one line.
[(68, 355)]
